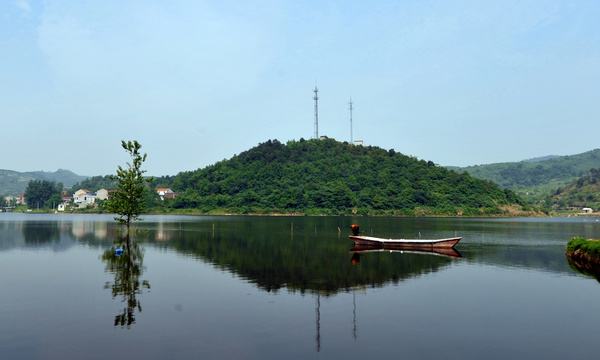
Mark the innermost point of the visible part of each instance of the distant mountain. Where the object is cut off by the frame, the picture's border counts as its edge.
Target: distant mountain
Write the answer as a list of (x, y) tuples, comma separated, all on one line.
[(327, 176), (14, 182), (540, 175)]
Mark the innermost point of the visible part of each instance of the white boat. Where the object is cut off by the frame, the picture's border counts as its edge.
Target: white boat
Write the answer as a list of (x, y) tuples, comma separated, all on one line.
[(447, 243)]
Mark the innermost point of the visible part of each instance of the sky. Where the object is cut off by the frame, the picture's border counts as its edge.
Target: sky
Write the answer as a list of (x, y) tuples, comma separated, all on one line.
[(456, 82)]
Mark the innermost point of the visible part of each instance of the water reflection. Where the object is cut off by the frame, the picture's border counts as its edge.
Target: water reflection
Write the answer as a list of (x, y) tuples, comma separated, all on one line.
[(362, 249), (311, 254), (127, 268), (304, 263), (220, 269), (584, 268), (40, 233)]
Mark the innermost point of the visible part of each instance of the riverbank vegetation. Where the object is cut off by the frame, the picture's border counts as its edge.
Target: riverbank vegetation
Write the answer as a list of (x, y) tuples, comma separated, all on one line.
[(588, 246), (584, 255)]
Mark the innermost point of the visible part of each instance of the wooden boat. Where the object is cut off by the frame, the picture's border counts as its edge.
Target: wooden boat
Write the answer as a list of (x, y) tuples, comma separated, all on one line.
[(405, 244), (448, 243), (449, 252)]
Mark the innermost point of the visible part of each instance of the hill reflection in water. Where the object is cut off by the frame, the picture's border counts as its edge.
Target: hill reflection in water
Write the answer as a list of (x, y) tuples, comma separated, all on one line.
[(298, 261), (310, 254)]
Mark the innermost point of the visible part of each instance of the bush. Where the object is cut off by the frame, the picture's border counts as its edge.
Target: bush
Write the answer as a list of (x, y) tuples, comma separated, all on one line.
[(591, 247)]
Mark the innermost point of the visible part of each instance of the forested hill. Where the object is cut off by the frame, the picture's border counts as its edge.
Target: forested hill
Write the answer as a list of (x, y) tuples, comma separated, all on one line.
[(583, 192), (328, 177), (14, 182), (547, 173)]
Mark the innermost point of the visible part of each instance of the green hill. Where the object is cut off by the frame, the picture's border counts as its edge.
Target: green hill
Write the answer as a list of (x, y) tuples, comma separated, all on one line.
[(537, 177), (583, 192), (330, 177), (14, 182)]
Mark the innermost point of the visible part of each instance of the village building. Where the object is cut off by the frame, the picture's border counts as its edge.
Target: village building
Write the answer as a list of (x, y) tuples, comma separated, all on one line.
[(84, 198), (165, 193), (102, 194)]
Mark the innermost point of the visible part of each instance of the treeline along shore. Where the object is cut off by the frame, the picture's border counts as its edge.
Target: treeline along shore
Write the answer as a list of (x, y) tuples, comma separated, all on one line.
[(324, 177), (328, 177)]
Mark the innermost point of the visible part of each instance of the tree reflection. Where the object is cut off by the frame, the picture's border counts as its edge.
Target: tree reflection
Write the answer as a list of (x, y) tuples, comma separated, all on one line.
[(127, 269), (40, 233), (584, 267)]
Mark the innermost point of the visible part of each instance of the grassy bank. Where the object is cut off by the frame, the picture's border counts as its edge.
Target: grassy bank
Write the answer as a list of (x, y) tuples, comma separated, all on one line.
[(587, 246), (584, 256)]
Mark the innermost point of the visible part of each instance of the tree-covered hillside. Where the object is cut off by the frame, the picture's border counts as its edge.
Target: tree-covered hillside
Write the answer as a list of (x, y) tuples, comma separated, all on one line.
[(549, 172), (326, 176), (583, 192)]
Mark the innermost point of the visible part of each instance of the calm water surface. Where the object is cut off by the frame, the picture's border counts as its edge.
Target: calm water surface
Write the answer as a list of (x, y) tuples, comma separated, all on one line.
[(262, 287)]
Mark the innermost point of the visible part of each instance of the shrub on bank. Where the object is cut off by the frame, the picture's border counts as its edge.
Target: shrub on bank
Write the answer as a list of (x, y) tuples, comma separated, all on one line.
[(588, 246)]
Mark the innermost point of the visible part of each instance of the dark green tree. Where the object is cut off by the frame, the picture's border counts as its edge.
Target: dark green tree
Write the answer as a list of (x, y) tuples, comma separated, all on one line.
[(43, 193), (128, 201)]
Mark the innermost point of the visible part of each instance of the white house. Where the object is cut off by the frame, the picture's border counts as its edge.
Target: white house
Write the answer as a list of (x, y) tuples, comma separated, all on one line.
[(62, 207), (83, 198), (102, 194), (79, 195), (10, 200), (165, 193), (587, 210)]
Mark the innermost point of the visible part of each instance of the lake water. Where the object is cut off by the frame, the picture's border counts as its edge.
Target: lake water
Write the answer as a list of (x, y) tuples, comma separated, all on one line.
[(289, 287)]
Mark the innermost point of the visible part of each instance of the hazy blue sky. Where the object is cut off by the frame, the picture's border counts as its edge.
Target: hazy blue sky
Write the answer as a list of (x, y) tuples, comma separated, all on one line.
[(456, 82)]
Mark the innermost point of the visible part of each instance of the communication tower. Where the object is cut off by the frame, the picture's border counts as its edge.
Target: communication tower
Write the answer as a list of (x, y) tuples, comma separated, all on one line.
[(316, 99), (351, 108)]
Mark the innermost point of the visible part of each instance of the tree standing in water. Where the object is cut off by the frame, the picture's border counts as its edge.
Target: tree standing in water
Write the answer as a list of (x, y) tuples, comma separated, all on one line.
[(128, 199)]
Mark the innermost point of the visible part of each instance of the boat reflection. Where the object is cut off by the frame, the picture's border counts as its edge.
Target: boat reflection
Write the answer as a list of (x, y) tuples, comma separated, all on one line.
[(363, 249)]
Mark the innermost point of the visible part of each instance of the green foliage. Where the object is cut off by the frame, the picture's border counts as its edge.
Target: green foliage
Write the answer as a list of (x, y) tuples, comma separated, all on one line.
[(582, 192), (128, 201), (43, 194), (591, 247), (330, 177), (535, 179), (96, 183)]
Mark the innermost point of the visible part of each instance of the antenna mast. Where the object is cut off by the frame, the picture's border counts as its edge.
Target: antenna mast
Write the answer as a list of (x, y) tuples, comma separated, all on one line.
[(350, 107), (316, 99)]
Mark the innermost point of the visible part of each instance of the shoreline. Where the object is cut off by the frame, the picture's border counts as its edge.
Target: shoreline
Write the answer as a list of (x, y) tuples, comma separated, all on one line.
[(293, 214)]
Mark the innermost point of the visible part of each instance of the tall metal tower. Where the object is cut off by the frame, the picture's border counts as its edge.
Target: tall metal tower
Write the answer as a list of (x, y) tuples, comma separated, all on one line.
[(316, 99), (350, 107)]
